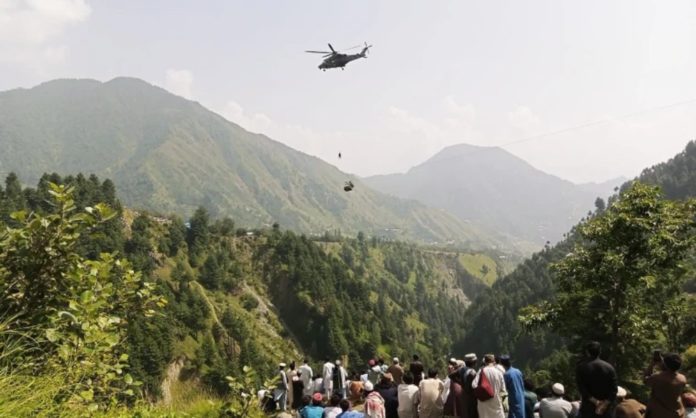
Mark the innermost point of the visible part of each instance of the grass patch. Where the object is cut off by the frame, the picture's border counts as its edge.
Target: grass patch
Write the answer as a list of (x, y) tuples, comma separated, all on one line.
[(480, 266)]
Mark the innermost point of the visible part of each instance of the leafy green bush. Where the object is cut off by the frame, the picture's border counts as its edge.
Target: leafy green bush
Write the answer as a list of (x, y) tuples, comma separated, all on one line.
[(74, 310)]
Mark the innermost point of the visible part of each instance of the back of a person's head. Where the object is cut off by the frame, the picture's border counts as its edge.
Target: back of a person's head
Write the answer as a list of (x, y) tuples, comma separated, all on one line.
[(505, 361), (305, 361), (344, 404), (672, 361), (335, 399), (415, 357), (489, 359), (593, 349), (408, 378), (529, 385), (432, 373), (306, 400)]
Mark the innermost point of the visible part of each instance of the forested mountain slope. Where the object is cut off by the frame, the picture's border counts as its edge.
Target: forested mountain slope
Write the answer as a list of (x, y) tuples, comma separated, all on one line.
[(492, 318), (172, 155), (489, 185), (238, 297)]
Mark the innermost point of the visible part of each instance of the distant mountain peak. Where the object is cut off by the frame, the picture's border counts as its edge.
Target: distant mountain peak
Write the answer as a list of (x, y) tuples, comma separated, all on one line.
[(494, 187)]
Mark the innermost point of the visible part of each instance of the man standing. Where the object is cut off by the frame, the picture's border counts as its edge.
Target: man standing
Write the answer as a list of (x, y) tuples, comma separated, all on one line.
[(530, 398), (555, 406), (430, 396), (396, 371), (306, 375), (514, 384), (416, 368), (408, 397), (597, 384), (388, 391), (469, 373), (666, 387), (374, 403), (281, 393), (327, 377), (339, 380), (493, 407)]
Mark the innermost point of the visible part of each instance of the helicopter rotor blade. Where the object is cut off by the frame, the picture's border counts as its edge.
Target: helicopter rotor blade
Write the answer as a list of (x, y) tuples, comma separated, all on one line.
[(319, 52), (352, 47), (332, 48)]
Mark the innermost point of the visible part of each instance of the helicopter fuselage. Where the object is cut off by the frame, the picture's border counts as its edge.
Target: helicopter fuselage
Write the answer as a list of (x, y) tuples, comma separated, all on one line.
[(339, 60)]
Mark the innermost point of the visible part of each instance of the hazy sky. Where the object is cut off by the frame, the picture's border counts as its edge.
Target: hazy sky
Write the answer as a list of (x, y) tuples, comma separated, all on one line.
[(440, 73)]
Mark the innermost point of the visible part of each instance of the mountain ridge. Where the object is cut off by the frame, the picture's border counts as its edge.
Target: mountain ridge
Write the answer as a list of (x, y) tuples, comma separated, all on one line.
[(170, 154)]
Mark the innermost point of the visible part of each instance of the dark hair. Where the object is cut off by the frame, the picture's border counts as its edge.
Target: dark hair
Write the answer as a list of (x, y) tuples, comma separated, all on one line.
[(415, 357), (327, 358), (506, 362), (305, 361), (593, 348), (292, 365), (432, 373), (306, 400), (380, 361), (344, 404), (672, 361), (528, 385), (408, 378), (335, 399)]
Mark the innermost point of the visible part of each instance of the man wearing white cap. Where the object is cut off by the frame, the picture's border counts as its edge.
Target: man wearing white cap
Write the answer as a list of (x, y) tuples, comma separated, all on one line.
[(396, 371), (627, 407), (555, 406), (280, 394)]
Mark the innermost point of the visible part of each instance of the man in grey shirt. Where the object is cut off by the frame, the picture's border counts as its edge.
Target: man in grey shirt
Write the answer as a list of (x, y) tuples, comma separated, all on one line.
[(555, 406)]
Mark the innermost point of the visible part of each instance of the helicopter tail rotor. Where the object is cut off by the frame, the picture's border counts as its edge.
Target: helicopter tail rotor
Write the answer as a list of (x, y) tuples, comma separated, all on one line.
[(365, 49)]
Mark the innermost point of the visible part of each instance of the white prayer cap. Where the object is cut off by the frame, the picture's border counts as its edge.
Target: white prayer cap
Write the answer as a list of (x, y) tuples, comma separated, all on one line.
[(395, 360), (282, 365), (621, 392), (558, 389), (368, 386)]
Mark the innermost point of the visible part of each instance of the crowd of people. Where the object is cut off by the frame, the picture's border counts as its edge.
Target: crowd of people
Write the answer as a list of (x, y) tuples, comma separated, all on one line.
[(491, 388)]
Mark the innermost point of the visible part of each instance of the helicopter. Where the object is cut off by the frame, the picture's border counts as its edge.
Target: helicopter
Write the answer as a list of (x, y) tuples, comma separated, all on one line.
[(335, 59)]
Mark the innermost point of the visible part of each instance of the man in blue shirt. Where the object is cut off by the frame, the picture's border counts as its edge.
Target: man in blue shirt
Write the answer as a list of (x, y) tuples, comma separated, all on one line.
[(347, 413), (514, 384)]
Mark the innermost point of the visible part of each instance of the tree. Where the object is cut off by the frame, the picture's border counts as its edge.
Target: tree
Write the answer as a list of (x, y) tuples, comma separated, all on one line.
[(198, 233), (77, 310), (625, 268)]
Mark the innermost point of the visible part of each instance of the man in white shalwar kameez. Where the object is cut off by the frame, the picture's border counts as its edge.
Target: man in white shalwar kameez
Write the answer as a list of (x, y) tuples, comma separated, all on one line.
[(492, 408), (306, 376)]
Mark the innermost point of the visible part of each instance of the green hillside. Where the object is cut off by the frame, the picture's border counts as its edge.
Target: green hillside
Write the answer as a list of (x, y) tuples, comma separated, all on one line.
[(257, 297), (171, 155), (491, 322)]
